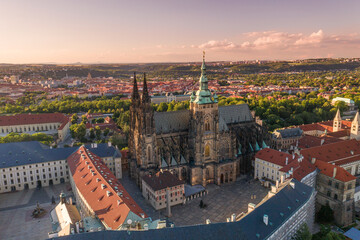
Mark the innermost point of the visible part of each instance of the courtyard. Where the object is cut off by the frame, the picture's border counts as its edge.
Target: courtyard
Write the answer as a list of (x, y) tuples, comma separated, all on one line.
[(222, 201), (16, 208)]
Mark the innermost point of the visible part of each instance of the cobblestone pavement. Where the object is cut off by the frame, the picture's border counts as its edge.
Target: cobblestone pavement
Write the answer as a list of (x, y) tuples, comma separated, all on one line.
[(16, 209), (221, 201)]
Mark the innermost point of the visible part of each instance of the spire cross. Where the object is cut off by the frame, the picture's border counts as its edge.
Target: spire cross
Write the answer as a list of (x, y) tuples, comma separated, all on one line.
[(203, 55)]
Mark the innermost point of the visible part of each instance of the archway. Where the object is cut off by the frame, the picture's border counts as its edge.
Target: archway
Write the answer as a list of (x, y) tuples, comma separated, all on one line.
[(51, 182), (226, 177), (38, 185), (62, 180), (26, 186), (222, 178)]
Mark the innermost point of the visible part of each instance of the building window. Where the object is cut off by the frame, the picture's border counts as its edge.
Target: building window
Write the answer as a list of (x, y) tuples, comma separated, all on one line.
[(330, 183), (348, 196), (207, 150), (335, 196), (349, 186), (328, 193)]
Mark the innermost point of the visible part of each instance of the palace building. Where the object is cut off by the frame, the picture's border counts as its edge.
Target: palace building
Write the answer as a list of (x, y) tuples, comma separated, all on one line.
[(205, 144)]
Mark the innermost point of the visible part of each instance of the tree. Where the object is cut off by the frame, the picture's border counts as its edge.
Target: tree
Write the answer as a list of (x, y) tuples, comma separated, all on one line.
[(303, 233), (92, 133), (98, 132), (162, 107), (106, 131), (74, 118), (83, 119), (325, 214)]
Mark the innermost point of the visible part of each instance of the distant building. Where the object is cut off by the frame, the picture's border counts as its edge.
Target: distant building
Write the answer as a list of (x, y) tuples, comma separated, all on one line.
[(154, 189), (350, 103), (283, 138), (49, 123), (169, 97)]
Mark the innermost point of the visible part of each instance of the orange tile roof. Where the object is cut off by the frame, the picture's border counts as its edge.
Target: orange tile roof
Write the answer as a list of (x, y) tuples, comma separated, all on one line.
[(328, 170), (274, 156), (29, 118), (348, 150), (100, 188)]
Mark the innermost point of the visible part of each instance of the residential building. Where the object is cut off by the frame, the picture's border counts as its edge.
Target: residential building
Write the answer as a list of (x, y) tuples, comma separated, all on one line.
[(268, 162), (283, 138), (99, 194), (27, 165), (154, 189), (350, 103), (49, 123)]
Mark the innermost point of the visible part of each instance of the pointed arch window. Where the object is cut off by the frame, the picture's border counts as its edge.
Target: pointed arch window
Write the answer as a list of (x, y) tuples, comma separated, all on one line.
[(207, 125), (207, 150)]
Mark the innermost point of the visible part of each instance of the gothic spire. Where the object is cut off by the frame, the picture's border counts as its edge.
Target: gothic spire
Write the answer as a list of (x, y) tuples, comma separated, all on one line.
[(135, 94), (145, 96), (356, 118), (203, 78), (337, 116)]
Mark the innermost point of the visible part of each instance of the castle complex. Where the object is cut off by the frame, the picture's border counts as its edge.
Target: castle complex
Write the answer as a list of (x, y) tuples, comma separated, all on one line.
[(206, 144)]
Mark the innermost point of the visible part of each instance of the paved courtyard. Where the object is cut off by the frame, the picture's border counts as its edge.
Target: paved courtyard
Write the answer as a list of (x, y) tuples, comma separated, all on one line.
[(221, 201), (16, 209)]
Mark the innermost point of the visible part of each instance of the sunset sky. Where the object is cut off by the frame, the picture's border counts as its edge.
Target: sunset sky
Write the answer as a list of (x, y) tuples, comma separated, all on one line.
[(90, 31)]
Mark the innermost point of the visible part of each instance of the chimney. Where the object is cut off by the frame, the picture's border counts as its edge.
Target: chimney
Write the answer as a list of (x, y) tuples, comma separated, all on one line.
[(293, 155), (277, 184), (292, 184), (266, 219), (168, 208), (313, 160), (77, 227), (322, 141), (233, 217), (334, 173), (227, 219), (207, 221), (282, 178), (251, 207), (286, 161)]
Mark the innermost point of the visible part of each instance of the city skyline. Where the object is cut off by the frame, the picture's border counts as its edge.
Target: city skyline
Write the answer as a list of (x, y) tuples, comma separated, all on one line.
[(172, 31)]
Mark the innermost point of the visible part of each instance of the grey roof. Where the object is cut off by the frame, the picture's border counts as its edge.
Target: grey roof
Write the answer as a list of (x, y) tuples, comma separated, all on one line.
[(166, 122), (23, 153), (290, 132), (235, 113), (288, 201)]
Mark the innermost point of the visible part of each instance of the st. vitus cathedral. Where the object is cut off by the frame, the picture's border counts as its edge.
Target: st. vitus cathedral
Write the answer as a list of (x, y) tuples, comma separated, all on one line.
[(206, 144)]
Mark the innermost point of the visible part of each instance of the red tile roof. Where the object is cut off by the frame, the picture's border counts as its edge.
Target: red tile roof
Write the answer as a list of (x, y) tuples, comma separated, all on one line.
[(300, 169), (328, 170), (100, 188), (23, 119), (308, 141), (339, 134), (162, 180), (274, 156), (338, 152)]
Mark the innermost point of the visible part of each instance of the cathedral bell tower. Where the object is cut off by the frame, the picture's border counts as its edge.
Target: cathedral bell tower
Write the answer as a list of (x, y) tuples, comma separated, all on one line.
[(204, 131), (355, 127), (142, 136), (337, 122)]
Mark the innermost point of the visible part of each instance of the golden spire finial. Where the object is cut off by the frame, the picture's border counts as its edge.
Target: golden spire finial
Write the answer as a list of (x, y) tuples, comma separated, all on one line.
[(204, 55)]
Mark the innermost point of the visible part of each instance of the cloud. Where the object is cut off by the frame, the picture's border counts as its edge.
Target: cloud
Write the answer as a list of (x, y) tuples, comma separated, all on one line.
[(283, 41), (212, 44)]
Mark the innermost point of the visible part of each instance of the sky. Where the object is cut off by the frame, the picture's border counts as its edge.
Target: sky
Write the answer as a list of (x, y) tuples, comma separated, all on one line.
[(136, 31)]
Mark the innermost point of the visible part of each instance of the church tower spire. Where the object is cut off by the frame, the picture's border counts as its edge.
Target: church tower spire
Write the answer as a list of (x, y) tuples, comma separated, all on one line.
[(145, 96), (355, 127), (337, 122), (203, 78), (135, 94)]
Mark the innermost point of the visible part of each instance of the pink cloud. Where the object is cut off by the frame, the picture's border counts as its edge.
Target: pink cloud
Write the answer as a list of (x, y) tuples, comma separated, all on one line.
[(283, 41)]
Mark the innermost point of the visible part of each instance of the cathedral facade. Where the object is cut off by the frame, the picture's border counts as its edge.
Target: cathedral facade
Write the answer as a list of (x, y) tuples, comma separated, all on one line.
[(205, 144)]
